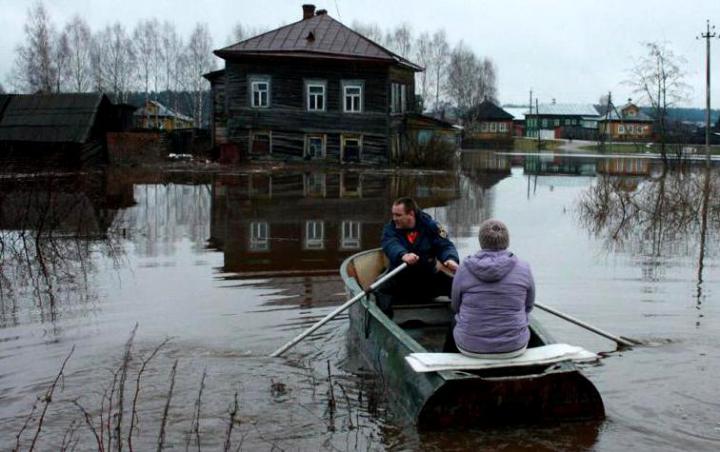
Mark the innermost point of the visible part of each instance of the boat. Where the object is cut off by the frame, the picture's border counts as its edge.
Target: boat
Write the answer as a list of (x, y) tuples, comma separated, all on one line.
[(456, 398)]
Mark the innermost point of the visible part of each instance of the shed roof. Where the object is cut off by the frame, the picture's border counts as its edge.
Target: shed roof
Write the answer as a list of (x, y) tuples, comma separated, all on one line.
[(566, 110), (320, 36), (52, 118), (488, 110)]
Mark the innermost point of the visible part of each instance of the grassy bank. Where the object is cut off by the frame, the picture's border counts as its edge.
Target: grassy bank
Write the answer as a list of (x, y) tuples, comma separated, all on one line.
[(639, 148), (531, 144)]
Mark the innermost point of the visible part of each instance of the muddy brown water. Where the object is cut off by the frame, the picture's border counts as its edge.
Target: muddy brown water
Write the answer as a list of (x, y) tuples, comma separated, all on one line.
[(230, 264)]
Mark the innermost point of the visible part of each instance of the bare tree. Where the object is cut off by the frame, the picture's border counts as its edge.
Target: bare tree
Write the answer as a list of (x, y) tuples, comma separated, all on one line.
[(439, 60), (242, 32), (34, 67), (146, 40), (79, 40), (61, 54), (423, 56), (461, 78), (198, 60), (658, 77), (485, 82), (114, 53), (171, 48), (370, 31), (400, 40), (2, 90)]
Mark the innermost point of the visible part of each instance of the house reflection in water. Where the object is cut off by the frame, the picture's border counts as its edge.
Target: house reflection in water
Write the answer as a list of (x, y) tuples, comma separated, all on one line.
[(307, 223)]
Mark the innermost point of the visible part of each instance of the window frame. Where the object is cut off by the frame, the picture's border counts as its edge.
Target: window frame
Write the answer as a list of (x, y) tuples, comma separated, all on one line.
[(323, 146), (343, 143), (345, 84), (315, 84), (255, 80), (314, 243), (251, 140), (256, 242), (353, 240)]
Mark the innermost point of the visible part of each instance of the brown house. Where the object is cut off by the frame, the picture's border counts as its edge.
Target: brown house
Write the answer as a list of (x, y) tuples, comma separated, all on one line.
[(629, 124), (155, 115), (486, 124), (312, 90)]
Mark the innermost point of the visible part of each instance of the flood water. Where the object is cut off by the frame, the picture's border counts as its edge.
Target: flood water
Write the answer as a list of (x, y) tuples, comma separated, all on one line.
[(228, 265)]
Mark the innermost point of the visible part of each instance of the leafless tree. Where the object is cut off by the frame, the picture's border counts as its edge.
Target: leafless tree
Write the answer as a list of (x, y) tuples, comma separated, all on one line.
[(34, 67), (242, 32), (147, 45), (461, 78), (79, 39), (198, 60), (400, 40), (114, 53), (485, 82), (2, 90), (370, 31), (423, 57), (171, 48), (658, 77), (439, 60), (61, 56)]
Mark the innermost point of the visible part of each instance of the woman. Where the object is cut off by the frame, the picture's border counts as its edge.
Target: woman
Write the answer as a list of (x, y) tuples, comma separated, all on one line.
[(492, 294)]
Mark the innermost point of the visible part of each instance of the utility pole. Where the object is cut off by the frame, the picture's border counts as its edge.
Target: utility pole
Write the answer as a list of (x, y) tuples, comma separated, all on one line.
[(707, 36)]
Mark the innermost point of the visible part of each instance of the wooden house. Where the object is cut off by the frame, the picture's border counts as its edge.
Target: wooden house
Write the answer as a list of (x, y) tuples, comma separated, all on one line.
[(155, 115), (627, 124), (555, 120), (314, 89), (58, 128), (486, 124)]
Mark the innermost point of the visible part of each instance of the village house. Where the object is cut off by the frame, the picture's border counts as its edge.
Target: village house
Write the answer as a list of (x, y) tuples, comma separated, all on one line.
[(486, 124), (155, 115), (68, 128), (627, 124), (555, 120), (313, 90)]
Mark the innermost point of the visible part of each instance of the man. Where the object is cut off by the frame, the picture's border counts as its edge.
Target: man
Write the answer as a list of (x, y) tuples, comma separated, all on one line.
[(414, 238)]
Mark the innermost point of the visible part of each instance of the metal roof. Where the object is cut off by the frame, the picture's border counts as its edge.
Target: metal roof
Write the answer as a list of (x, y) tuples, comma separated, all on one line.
[(54, 118), (518, 113), (488, 110), (566, 110), (613, 116), (320, 36)]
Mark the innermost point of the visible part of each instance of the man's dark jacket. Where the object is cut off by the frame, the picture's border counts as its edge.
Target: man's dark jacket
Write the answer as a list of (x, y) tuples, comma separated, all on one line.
[(431, 243)]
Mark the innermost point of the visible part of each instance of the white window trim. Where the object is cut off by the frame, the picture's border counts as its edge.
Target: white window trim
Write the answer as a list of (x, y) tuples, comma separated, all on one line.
[(352, 240), (353, 84), (315, 84), (314, 243), (257, 242), (306, 148), (397, 95), (254, 81), (307, 185)]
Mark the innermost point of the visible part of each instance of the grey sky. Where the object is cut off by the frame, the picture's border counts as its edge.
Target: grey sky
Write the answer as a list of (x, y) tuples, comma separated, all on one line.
[(570, 50)]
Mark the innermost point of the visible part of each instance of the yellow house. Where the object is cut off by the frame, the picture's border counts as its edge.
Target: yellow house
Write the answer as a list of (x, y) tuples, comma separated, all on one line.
[(630, 124), (155, 115)]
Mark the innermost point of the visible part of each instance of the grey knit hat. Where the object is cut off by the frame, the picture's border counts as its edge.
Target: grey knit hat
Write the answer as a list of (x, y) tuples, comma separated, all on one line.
[(494, 235)]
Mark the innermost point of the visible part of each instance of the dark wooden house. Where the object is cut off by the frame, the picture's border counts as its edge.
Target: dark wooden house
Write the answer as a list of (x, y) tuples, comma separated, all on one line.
[(486, 124), (58, 128), (314, 89)]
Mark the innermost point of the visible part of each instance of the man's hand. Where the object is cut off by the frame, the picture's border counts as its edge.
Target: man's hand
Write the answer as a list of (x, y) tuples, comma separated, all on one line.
[(451, 264), (410, 258)]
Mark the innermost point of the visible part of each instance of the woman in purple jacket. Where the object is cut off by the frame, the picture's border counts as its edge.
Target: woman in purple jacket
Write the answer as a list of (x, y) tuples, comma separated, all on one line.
[(492, 295)]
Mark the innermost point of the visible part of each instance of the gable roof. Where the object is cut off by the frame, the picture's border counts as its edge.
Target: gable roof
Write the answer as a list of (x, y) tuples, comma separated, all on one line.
[(54, 118), (320, 36), (565, 110), (488, 110), (162, 111)]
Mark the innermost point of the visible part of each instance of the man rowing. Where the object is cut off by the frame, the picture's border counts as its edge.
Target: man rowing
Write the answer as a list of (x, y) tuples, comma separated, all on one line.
[(415, 238)]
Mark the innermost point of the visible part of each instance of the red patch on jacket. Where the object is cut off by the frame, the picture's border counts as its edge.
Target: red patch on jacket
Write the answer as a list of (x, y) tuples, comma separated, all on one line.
[(412, 236)]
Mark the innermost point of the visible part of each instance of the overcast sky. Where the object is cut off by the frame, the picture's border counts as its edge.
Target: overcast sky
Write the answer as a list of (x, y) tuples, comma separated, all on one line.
[(570, 50)]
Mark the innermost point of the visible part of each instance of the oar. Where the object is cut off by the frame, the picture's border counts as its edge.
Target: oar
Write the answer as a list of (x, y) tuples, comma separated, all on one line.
[(624, 341), (340, 309)]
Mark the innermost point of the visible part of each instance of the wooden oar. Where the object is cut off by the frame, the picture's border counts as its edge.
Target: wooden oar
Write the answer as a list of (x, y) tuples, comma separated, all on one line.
[(624, 341), (340, 309)]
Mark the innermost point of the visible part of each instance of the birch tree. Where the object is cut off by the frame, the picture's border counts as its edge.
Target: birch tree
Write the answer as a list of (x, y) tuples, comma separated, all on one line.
[(438, 63), (198, 60), (61, 55), (461, 77), (145, 39), (400, 40), (171, 48), (79, 40), (423, 57), (34, 69), (114, 53), (370, 31)]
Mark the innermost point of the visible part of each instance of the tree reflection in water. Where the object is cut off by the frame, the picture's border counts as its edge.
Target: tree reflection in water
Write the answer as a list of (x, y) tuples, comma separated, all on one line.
[(49, 227)]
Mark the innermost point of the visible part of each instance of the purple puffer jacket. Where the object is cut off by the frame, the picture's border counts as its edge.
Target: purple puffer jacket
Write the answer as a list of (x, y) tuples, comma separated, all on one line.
[(492, 294)]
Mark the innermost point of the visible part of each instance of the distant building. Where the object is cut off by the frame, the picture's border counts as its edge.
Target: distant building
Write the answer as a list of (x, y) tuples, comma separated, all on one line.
[(312, 90), (486, 124), (553, 120), (58, 128), (155, 115), (627, 124)]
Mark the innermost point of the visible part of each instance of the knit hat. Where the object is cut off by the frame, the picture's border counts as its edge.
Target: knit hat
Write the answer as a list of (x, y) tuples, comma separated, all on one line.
[(494, 235)]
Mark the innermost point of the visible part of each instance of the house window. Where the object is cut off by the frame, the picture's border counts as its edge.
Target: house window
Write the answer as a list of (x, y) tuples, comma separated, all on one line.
[(314, 235), (260, 94), (259, 236), (502, 127), (544, 123), (350, 185), (350, 238), (316, 96), (352, 97), (314, 185), (568, 122), (484, 127), (350, 148), (260, 143), (557, 122), (314, 146), (397, 97), (621, 129)]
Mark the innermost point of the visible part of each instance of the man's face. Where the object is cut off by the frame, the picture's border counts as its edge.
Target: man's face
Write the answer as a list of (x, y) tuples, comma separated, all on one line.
[(401, 218)]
